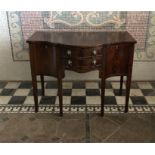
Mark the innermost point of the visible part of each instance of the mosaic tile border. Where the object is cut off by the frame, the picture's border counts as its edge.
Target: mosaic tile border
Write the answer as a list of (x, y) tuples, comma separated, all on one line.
[(93, 19), (75, 109), (20, 51), (150, 52), (16, 37)]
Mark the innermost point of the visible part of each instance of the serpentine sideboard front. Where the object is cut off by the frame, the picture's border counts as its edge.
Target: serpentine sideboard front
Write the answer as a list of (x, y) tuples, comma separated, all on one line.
[(111, 53)]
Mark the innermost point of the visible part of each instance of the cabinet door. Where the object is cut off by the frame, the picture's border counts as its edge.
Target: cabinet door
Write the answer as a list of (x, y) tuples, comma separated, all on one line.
[(43, 59), (118, 59)]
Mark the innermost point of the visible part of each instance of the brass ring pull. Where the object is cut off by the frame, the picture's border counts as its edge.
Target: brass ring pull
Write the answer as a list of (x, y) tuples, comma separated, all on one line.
[(68, 52), (94, 62), (69, 62), (94, 52)]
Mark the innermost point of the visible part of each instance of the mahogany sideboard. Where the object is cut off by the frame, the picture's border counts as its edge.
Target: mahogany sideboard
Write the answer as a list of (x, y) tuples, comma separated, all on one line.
[(110, 52)]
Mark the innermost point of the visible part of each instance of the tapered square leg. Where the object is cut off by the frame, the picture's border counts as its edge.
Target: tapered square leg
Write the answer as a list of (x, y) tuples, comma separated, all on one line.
[(42, 85), (102, 96), (121, 85), (35, 91), (128, 83), (60, 96)]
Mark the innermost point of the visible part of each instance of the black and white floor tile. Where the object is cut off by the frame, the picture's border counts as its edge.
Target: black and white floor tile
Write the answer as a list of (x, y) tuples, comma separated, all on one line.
[(78, 96)]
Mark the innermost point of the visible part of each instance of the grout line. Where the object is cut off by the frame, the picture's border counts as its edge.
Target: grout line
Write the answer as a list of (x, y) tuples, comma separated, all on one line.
[(115, 131), (112, 121), (87, 125), (111, 134)]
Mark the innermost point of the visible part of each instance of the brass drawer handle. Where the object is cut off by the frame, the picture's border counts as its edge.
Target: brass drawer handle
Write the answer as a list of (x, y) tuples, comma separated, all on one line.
[(94, 62), (94, 52), (69, 62), (69, 52)]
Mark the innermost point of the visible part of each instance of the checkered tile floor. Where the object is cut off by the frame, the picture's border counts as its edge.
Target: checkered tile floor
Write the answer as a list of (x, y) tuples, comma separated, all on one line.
[(78, 96)]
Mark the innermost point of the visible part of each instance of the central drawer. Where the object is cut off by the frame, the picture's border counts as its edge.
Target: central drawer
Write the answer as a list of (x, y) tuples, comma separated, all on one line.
[(82, 59), (83, 64), (82, 52)]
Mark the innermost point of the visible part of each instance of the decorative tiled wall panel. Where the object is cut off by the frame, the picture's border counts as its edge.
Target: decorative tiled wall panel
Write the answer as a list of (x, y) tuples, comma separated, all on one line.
[(140, 24)]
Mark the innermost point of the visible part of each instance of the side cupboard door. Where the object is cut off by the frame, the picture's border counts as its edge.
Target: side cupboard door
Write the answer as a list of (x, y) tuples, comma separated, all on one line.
[(118, 59), (43, 59)]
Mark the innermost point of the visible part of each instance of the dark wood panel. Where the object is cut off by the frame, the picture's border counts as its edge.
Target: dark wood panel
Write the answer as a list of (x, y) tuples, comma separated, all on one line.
[(44, 59), (117, 59)]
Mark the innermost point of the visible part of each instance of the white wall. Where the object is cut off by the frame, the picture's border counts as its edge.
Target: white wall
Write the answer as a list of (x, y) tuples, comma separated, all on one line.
[(10, 70)]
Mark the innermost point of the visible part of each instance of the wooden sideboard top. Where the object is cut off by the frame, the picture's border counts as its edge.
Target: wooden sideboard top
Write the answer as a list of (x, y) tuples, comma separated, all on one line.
[(85, 39)]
